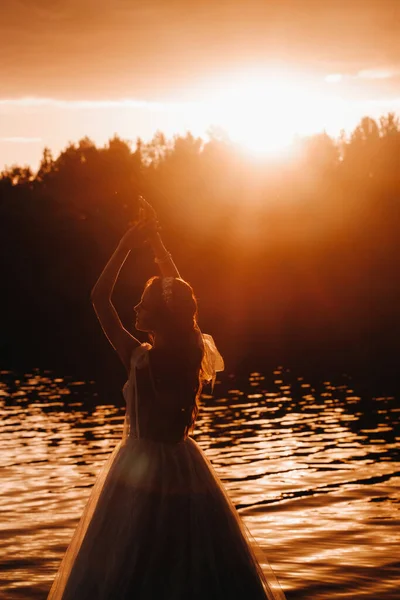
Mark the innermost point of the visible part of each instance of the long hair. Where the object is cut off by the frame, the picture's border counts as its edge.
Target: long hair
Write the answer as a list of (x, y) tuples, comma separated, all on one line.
[(174, 316)]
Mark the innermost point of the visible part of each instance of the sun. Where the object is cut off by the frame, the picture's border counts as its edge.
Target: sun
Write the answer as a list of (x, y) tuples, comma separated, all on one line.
[(265, 111)]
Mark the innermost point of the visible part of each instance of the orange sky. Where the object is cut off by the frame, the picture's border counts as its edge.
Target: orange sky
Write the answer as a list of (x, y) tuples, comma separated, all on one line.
[(174, 53)]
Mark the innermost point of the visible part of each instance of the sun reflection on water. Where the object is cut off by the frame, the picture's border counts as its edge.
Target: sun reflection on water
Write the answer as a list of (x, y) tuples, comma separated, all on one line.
[(313, 469)]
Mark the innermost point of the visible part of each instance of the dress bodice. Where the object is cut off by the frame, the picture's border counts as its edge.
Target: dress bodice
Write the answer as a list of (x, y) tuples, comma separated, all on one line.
[(159, 401)]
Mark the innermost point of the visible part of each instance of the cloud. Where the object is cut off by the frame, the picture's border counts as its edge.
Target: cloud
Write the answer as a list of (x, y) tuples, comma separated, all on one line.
[(376, 74), (366, 74), (334, 78), (38, 102), (20, 140)]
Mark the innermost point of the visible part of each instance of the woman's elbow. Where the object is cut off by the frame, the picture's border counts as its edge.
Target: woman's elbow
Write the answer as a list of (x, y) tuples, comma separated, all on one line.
[(96, 295), (100, 299)]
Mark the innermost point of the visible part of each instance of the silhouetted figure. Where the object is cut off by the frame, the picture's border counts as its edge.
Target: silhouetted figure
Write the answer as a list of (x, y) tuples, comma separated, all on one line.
[(158, 523)]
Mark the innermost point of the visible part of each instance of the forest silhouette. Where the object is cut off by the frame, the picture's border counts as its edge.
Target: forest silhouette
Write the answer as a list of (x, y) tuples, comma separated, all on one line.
[(294, 259)]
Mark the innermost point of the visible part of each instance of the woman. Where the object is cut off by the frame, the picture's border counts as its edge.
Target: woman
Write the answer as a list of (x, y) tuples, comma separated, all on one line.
[(158, 524)]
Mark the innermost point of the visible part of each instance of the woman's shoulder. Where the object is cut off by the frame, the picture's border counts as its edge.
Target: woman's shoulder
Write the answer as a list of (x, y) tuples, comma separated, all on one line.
[(139, 356)]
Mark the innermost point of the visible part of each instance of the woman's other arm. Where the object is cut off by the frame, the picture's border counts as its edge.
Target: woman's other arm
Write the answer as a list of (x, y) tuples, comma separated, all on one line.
[(162, 257)]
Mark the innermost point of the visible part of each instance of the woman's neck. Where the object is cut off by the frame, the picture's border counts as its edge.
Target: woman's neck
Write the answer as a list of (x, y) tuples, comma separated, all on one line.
[(159, 341)]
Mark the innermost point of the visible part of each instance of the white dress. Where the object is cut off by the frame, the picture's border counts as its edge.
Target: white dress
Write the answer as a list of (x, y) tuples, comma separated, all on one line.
[(159, 525)]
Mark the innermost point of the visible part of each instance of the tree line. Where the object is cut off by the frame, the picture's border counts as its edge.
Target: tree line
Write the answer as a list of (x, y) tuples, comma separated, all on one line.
[(294, 258)]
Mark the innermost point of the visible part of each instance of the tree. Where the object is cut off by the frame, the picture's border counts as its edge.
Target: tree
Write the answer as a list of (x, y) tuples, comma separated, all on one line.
[(16, 175)]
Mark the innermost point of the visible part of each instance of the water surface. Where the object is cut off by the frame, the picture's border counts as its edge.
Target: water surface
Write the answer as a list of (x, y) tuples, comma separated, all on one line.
[(314, 471)]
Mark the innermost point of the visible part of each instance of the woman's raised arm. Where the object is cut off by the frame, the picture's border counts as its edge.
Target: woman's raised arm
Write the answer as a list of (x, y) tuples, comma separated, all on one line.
[(117, 335), (162, 257)]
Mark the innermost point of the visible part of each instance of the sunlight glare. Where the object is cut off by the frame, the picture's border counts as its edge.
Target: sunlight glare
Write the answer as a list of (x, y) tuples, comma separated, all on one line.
[(265, 112)]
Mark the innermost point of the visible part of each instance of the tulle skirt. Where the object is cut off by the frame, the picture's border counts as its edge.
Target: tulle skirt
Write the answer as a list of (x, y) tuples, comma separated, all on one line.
[(159, 525)]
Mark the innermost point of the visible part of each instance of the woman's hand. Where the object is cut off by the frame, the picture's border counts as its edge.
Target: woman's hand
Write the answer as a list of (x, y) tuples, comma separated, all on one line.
[(136, 236), (143, 230), (162, 257), (148, 215), (147, 210)]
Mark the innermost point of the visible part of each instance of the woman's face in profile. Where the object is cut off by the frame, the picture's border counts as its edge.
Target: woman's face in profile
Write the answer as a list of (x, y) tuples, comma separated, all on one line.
[(144, 313)]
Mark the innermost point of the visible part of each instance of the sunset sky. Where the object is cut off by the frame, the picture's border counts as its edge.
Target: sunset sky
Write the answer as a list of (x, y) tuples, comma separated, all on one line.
[(261, 70)]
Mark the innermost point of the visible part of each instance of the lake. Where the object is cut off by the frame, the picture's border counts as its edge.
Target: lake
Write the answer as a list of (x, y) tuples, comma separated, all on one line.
[(312, 467)]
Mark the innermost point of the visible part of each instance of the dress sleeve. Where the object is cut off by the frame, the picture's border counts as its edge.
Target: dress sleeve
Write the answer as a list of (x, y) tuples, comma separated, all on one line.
[(212, 361), (140, 356)]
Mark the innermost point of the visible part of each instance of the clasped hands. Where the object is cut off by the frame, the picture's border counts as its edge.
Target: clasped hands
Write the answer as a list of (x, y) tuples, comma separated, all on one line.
[(144, 229)]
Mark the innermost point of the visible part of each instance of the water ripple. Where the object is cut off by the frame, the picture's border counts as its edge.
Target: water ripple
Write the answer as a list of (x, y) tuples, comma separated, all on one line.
[(313, 469)]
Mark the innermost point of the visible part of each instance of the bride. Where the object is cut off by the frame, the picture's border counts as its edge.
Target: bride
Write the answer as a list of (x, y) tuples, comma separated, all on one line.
[(158, 524)]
